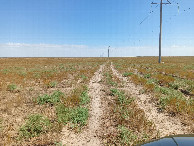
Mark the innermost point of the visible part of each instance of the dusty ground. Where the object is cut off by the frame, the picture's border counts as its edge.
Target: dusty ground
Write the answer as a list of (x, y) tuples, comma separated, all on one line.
[(89, 136), (165, 124)]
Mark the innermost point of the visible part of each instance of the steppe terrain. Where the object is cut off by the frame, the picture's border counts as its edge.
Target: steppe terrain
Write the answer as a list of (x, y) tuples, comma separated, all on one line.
[(95, 101)]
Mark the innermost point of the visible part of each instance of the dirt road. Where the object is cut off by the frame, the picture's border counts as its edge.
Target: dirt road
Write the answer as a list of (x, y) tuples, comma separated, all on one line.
[(89, 137)]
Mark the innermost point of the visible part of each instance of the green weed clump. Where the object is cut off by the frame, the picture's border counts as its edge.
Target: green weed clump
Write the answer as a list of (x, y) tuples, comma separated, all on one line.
[(174, 86), (12, 88), (84, 77), (126, 137), (121, 96), (52, 84), (84, 98), (126, 74), (52, 99), (169, 91), (109, 79), (147, 76), (34, 126), (77, 116)]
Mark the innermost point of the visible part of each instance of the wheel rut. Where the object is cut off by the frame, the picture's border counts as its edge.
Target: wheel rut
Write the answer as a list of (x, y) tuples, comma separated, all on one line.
[(165, 124), (89, 136)]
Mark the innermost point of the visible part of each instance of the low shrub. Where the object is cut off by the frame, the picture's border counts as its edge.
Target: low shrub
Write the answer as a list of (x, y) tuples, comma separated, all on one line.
[(84, 98), (34, 126), (174, 86), (114, 91), (12, 88), (147, 76), (52, 99), (77, 116), (122, 99), (109, 79)]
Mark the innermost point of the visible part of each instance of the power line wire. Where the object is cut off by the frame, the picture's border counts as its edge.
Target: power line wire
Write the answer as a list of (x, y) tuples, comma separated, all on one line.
[(150, 13)]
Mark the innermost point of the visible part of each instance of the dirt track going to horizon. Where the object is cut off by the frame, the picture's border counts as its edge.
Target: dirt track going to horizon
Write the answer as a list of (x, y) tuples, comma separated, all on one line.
[(89, 137), (165, 125), (94, 101)]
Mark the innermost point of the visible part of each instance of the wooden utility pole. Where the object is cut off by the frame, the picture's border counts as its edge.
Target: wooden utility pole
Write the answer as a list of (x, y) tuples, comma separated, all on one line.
[(160, 35), (108, 51), (160, 40)]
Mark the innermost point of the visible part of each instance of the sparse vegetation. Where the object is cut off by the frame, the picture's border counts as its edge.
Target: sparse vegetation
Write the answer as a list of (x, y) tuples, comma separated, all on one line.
[(72, 110), (56, 89), (35, 125), (126, 74), (12, 88), (84, 98), (109, 79), (130, 120), (78, 96), (46, 84), (121, 96), (52, 84), (52, 99), (84, 77), (129, 115), (126, 137), (76, 116), (169, 83)]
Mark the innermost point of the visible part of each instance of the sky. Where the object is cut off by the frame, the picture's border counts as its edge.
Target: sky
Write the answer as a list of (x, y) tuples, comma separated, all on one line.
[(85, 28)]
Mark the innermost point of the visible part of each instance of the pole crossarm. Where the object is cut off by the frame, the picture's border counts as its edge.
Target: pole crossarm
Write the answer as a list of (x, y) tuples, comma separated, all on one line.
[(160, 34), (162, 3)]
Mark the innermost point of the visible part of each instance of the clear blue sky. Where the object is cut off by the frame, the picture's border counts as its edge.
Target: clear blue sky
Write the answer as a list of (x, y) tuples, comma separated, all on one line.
[(94, 24)]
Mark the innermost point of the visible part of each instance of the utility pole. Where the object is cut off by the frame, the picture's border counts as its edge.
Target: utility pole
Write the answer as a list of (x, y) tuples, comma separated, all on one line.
[(160, 35), (108, 51)]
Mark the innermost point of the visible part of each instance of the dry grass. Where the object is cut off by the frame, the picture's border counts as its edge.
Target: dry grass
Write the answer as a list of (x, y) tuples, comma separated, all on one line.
[(170, 83), (23, 79), (123, 122)]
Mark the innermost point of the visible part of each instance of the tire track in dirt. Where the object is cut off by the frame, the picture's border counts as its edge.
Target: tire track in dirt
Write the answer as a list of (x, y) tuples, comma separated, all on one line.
[(165, 124), (89, 137)]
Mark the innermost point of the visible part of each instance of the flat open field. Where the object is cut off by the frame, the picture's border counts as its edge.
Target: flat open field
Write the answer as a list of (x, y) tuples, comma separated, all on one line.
[(95, 101)]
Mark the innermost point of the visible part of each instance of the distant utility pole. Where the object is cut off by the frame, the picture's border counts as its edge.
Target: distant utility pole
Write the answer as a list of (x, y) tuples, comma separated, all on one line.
[(160, 35), (108, 51)]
